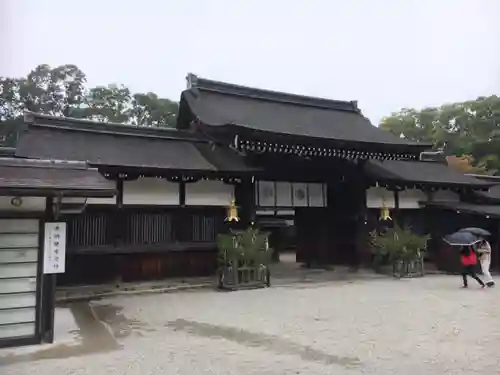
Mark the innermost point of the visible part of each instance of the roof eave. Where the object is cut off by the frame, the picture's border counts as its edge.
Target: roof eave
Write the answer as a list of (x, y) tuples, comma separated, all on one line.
[(57, 191), (462, 208), (244, 130), (456, 185), (163, 171), (33, 119)]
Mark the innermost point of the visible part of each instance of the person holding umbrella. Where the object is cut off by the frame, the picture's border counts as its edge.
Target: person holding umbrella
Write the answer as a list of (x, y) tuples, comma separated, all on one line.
[(468, 259), (465, 240), (484, 251)]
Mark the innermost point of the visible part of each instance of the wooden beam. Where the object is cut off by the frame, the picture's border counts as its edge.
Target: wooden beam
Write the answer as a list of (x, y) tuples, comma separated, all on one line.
[(48, 287), (119, 192), (182, 193)]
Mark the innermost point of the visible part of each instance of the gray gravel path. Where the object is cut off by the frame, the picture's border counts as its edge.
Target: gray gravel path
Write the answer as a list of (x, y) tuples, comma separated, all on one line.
[(381, 326)]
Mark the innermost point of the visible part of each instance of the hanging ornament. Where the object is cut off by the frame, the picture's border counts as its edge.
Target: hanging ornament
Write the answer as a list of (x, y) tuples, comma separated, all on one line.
[(232, 212), (384, 211)]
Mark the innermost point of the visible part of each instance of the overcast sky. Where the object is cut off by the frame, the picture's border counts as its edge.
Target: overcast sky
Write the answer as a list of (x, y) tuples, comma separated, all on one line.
[(387, 54)]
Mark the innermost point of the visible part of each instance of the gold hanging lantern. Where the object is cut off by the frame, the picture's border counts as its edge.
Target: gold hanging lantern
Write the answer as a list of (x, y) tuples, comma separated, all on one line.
[(232, 212), (385, 214)]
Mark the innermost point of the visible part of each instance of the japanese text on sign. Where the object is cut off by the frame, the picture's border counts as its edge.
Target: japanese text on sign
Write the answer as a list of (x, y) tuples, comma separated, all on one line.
[(54, 250)]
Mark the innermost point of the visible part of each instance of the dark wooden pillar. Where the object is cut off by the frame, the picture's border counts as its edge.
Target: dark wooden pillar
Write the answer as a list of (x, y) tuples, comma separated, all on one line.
[(396, 215), (119, 230), (327, 254), (305, 252), (48, 286), (363, 249), (341, 221), (119, 223), (182, 193), (244, 194), (347, 215), (119, 192)]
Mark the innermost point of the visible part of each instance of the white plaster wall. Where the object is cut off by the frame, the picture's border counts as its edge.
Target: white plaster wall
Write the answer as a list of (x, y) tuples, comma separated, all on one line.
[(33, 204), (408, 199), (209, 193), (81, 200), (285, 212), (150, 191), (445, 196), (317, 195), (283, 194), (376, 196), (411, 198)]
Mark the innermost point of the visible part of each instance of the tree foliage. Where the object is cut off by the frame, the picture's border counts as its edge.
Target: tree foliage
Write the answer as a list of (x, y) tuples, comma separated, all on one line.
[(62, 91), (464, 164), (469, 130), (150, 110), (110, 103), (397, 244)]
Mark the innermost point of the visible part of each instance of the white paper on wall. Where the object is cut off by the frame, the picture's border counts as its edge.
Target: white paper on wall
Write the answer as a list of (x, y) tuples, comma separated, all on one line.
[(54, 249), (266, 194), (288, 194), (300, 195)]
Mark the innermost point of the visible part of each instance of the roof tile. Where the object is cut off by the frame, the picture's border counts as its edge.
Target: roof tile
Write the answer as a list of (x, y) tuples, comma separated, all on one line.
[(426, 172)]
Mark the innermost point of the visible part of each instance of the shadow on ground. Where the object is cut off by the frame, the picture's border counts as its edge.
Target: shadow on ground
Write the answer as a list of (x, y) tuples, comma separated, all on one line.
[(264, 341), (92, 336)]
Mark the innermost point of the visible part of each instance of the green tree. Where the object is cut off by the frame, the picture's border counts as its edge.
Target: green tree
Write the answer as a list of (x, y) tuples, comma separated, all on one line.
[(150, 110), (110, 104), (10, 111), (62, 91), (54, 91), (470, 128)]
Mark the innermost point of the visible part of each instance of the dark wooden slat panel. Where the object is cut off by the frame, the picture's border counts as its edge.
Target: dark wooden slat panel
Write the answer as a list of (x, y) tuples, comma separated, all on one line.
[(88, 230), (143, 229)]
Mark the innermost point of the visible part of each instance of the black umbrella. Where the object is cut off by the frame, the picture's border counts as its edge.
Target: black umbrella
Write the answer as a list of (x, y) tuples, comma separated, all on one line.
[(462, 239), (476, 231)]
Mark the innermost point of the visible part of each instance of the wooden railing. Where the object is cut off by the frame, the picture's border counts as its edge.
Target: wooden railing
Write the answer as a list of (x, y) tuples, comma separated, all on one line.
[(89, 230), (144, 228), (108, 230)]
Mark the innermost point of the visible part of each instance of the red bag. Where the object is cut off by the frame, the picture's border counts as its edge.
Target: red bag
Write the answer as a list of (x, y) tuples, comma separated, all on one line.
[(469, 260)]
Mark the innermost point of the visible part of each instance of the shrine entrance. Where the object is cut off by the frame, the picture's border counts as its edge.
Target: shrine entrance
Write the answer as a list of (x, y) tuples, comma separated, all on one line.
[(300, 145), (322, 221), (334, 234), (277, 204)]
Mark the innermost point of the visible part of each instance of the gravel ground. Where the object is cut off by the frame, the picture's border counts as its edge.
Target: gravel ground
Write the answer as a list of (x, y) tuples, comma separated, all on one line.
[(380, 326)]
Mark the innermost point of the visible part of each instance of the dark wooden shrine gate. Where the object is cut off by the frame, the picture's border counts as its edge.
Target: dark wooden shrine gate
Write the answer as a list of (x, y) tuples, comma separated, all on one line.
[(334, 234)]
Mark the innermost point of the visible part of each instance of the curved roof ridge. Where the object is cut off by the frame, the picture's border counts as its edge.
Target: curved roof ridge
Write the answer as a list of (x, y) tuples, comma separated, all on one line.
[(195, 82), (91, 126)]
